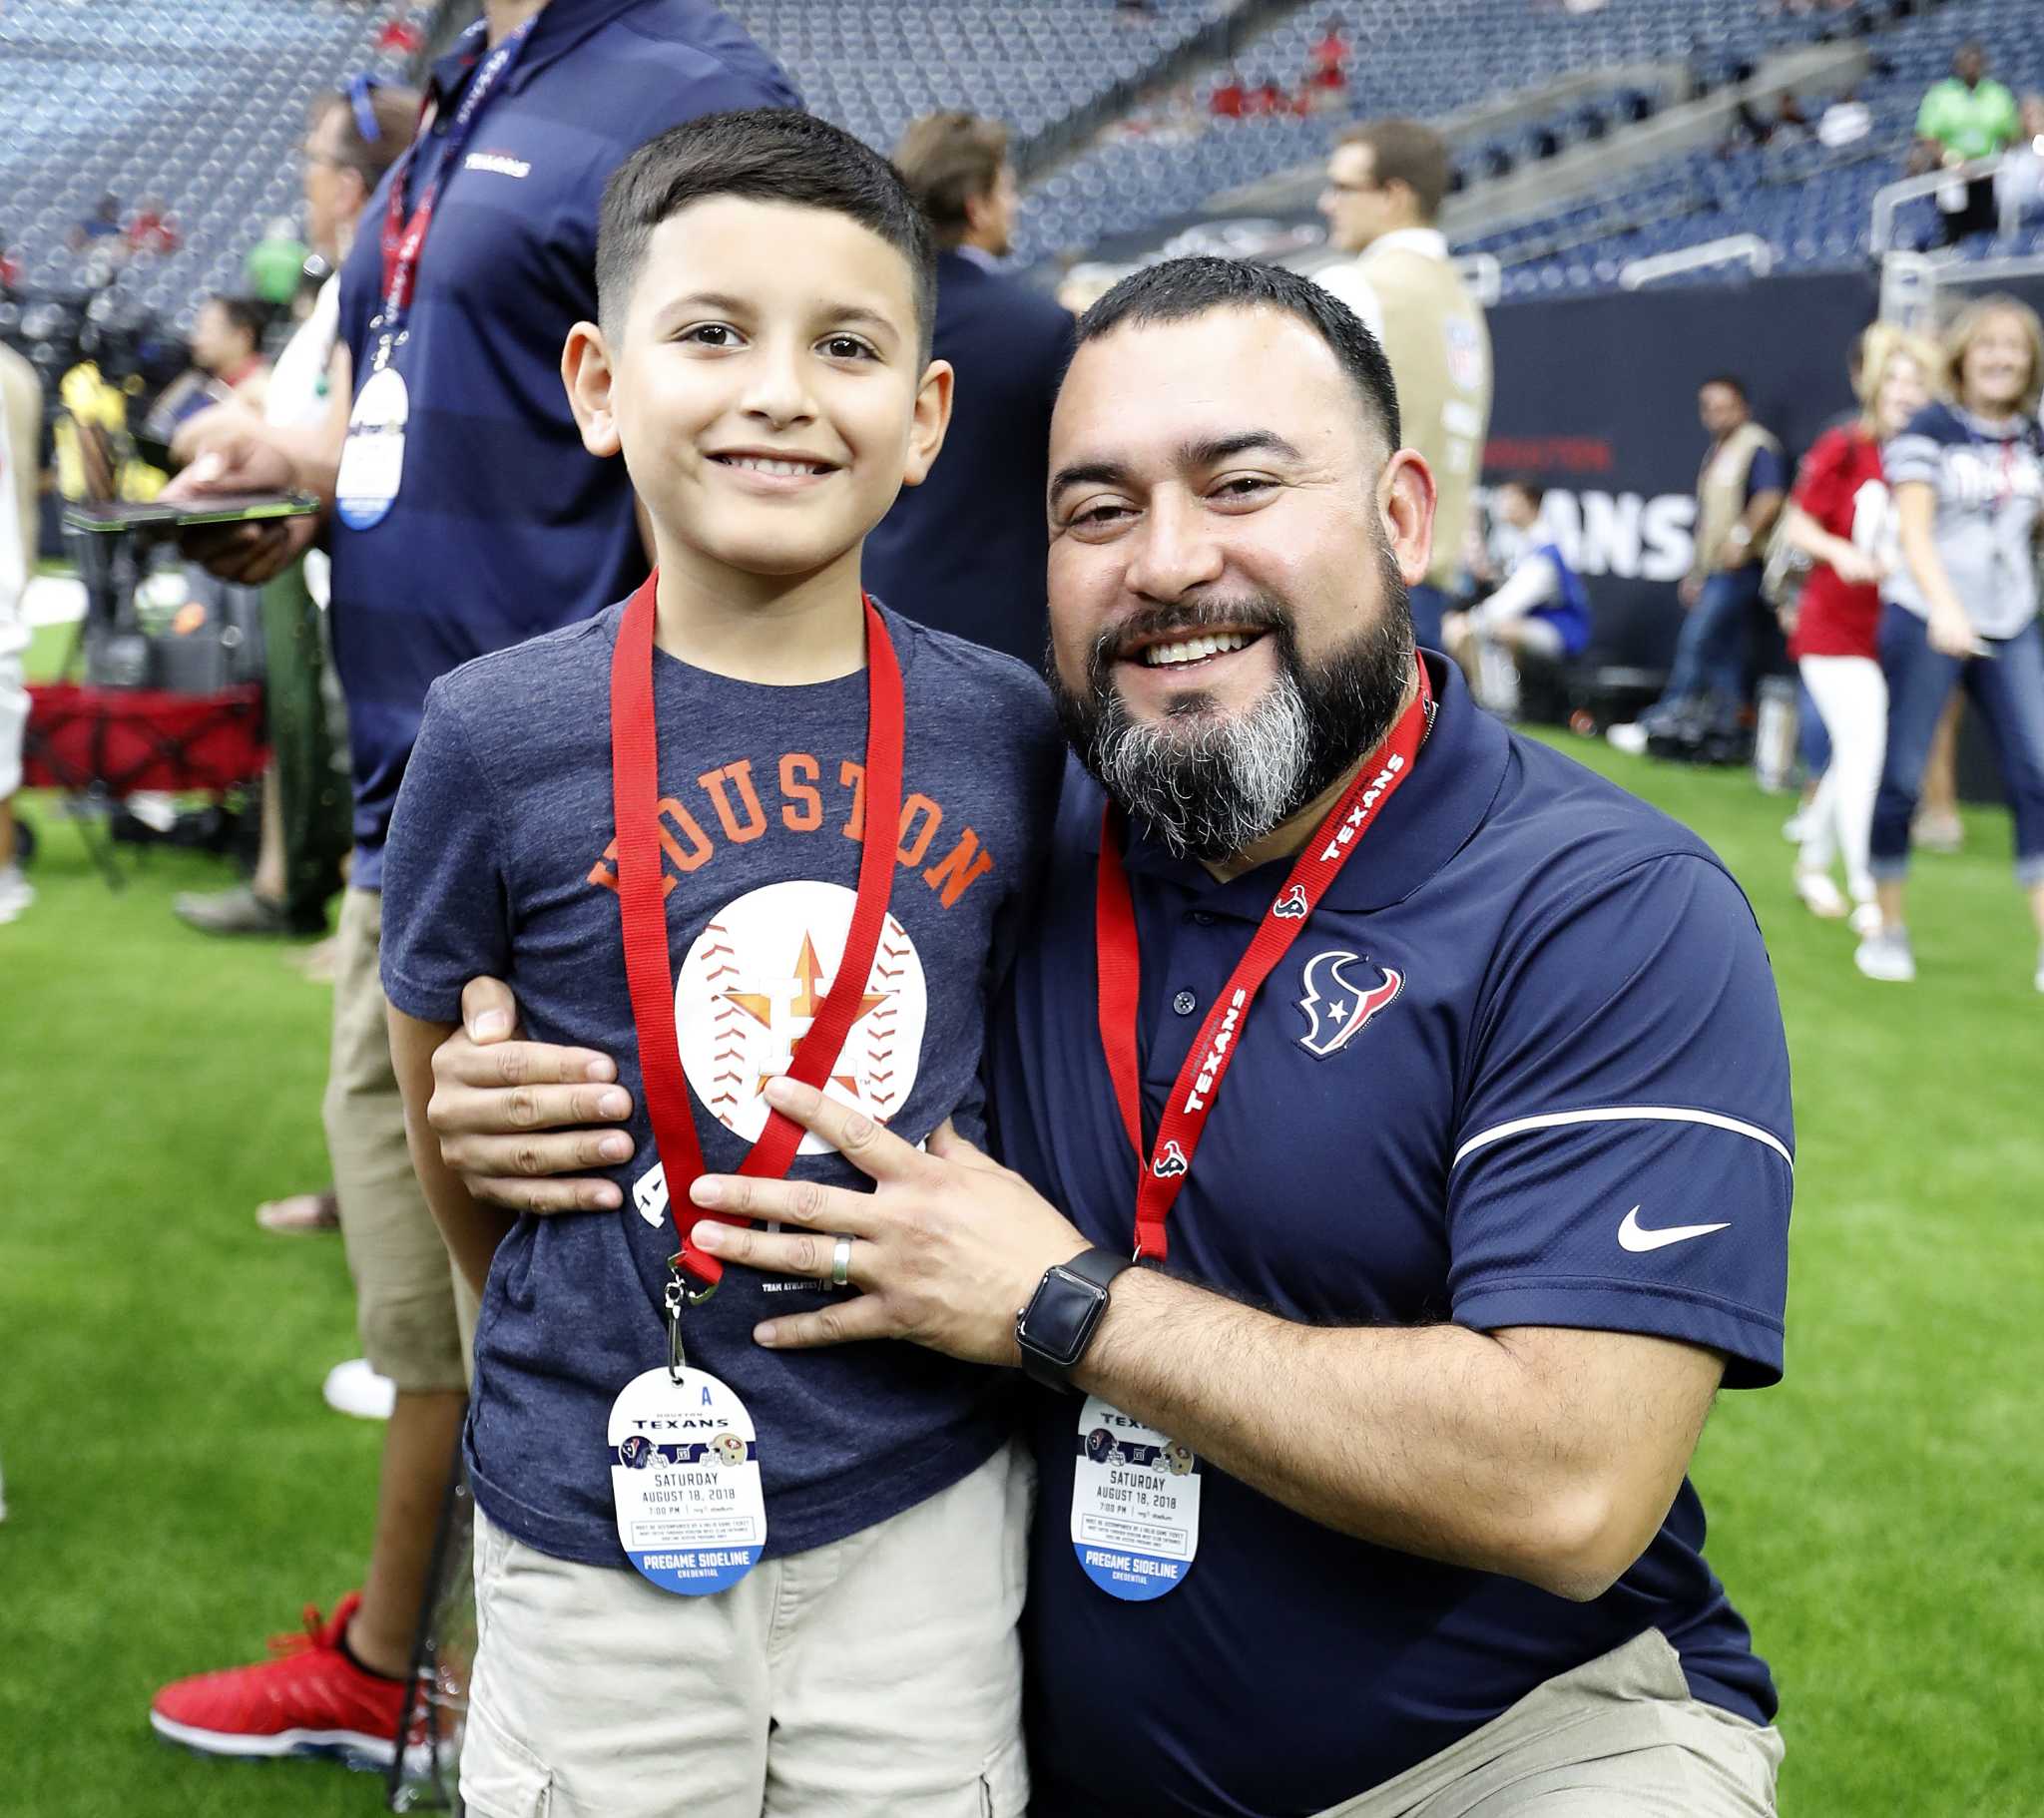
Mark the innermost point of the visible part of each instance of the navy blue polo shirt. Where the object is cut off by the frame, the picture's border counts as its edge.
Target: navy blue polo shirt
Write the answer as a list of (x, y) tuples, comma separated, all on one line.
[(1585, 1053), (505, 526)]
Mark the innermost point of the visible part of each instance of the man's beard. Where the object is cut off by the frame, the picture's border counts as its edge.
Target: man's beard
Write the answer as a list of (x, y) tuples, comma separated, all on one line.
[(1212, 786)]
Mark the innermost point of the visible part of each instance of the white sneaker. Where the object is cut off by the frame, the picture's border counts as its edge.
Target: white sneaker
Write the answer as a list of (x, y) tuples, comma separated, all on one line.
[(2039, 980), (355, 1388), (1631, 738), (1886, 955), (1822, 897), (1867, 920), (1795, 829), (16, 892)]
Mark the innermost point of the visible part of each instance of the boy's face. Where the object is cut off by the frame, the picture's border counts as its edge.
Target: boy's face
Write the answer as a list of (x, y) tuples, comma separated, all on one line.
[(764, 383)]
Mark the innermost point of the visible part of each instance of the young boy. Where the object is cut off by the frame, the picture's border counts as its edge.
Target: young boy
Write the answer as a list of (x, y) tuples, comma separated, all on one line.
[(761, 360)]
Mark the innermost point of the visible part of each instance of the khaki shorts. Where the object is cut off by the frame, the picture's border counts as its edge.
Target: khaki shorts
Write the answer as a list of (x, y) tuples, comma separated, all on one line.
[(879, 1676), (1620, 1737), (415, 1317)]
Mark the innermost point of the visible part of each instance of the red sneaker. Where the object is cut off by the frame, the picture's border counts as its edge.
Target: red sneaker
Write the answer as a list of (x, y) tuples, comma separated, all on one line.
[(309, 1700)]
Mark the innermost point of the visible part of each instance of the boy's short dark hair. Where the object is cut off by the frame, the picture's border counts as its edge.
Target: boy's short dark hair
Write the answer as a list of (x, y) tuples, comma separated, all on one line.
[(1179, 289), (1730, 381), (760, 154)]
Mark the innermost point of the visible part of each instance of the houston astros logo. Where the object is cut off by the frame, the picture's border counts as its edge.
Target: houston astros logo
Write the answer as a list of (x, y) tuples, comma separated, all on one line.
[(1292, 905), (756, 980), (1172, 1162), (1336, 1005)]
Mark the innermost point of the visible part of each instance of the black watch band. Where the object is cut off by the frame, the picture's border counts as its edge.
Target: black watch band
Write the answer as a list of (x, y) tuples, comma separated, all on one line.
[(1054, 1329)]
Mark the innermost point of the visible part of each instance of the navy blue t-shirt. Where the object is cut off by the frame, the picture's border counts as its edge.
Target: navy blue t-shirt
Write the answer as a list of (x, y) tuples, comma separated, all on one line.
[(501, 861), (505, 526), (1584, 1051)]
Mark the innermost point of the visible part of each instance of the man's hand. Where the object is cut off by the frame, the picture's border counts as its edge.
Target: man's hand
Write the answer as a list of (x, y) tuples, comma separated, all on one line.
[(518, 1121), (1853, 566), (250, 554), (228, 450), (1690, 592), (948, 1249)]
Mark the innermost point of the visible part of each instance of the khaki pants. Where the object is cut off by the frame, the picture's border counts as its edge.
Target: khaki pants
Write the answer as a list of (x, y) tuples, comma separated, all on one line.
[(1620, 1737), (879, 1676), (415, 1317)]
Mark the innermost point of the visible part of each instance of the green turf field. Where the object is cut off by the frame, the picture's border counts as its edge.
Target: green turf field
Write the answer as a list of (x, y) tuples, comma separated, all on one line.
[(177, 1490)]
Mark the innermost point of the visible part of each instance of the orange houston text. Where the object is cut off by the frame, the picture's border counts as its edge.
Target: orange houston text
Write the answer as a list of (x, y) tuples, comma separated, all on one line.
[(729, 809)]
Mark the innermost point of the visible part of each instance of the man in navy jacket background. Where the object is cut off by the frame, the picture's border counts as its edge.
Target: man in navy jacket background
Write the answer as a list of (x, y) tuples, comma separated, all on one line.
[(964, 551)]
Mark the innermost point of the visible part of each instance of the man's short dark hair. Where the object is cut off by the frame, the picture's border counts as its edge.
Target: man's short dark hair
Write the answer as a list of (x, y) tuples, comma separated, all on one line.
[(949, 160), (1733, 384), (1533, 490), (245, 314), (1407, 151), (760, 154), (1181, 288)]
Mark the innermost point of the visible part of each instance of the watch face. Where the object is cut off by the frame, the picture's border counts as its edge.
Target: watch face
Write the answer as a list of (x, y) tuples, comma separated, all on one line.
[(1060, 1317)]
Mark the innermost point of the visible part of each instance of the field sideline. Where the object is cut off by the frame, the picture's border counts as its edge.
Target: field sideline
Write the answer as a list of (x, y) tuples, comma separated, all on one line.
[(176, 1490)]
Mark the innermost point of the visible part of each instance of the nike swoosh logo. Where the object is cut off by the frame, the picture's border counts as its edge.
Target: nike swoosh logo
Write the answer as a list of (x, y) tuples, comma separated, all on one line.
[(1634, 1236)]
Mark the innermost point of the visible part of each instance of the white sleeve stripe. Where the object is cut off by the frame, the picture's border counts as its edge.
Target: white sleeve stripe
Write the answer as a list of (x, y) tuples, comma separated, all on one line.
[(1622, 1114)]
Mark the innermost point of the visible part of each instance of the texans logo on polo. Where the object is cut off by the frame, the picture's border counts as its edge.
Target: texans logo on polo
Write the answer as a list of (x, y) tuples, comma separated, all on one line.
[(1172, 1162), (1338, 1004), (1292, 905)]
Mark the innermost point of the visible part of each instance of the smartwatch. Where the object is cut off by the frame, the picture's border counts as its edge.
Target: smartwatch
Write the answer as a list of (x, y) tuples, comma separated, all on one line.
[(1054, 1329)]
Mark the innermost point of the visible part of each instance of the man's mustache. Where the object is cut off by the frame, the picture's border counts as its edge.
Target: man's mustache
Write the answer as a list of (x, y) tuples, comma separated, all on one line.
[(1187, 618)]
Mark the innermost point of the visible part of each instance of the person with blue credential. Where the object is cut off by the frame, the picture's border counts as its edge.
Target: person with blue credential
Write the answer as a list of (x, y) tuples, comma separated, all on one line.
[(1440, 1091)]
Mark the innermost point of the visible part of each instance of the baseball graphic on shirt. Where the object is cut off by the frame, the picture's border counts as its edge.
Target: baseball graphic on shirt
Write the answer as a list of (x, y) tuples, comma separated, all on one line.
[(754, 983)]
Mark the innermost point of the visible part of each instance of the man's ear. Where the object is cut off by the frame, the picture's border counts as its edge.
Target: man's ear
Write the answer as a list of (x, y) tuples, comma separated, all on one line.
[(587, 374), (1405, 498), (932, 418)]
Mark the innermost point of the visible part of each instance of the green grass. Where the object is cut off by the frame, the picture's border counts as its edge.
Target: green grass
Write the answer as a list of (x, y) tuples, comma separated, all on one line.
[(177, 1490)]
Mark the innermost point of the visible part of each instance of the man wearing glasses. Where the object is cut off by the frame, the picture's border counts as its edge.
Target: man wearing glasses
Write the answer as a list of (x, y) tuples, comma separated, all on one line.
[(1386, 181)]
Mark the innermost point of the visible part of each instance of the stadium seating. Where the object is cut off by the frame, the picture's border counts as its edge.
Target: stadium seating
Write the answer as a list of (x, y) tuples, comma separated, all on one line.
[(200, 106), (1439, 58), (875, 66), (1813, 206)]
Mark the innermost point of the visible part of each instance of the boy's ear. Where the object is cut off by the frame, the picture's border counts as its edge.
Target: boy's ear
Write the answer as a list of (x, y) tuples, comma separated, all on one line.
[(932, 417), (586, 371)]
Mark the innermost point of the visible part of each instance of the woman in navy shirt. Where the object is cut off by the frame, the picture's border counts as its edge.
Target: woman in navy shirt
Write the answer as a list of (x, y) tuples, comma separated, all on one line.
[(1968, 483)]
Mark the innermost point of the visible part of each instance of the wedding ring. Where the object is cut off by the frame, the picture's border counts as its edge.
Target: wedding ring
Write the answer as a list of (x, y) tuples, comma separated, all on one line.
[(840, 1261)]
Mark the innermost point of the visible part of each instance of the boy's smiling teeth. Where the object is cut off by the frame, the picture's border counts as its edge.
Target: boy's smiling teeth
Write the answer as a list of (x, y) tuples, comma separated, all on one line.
[(787, 470), (1194, 650)]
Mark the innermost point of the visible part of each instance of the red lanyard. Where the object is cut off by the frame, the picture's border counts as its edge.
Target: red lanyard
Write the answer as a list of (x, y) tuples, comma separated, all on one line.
[(403, 239), (1199, 1081), (635, 794)]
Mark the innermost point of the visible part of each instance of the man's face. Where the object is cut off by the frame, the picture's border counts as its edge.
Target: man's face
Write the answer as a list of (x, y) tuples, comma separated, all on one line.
[(1228, 557), (334, 188), (1515, 506), (770, 406), (1358, 209), (1719, 409), (996, 225), (1969, 65)]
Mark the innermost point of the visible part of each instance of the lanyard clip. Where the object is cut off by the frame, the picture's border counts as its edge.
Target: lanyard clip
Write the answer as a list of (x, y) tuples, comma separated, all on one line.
[(675, 1298)]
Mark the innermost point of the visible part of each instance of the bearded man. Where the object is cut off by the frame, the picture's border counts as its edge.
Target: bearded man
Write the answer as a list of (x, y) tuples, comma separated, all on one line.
[(1439, 1089)]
